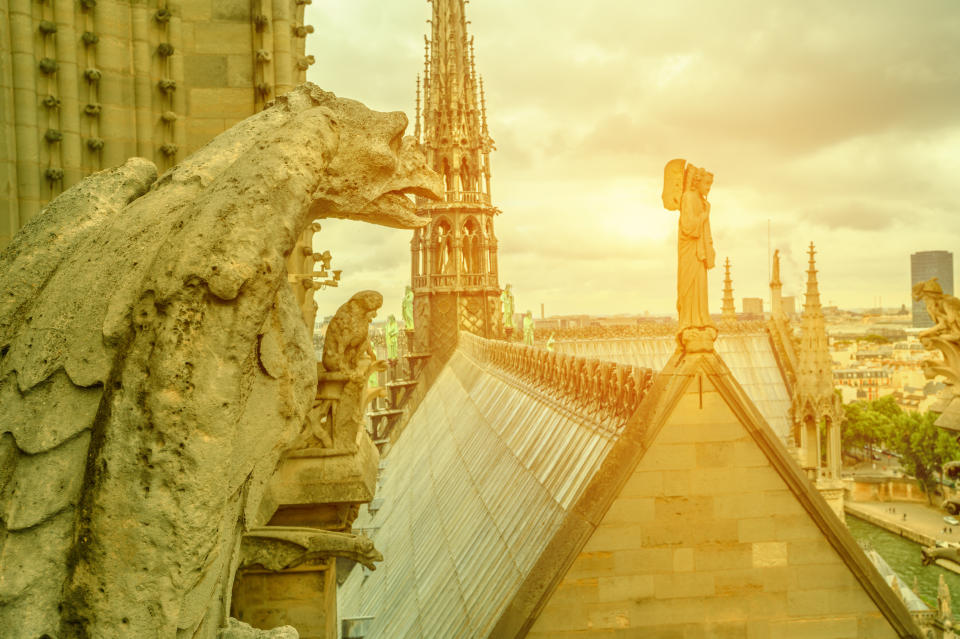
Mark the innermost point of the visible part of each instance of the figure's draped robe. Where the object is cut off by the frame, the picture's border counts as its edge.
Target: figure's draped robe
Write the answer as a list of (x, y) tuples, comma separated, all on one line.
[(695, 255)]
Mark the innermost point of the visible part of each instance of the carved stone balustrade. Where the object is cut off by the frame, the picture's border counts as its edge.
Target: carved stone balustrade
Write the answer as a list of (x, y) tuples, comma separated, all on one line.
[(458, 197), (605, 393), (639, 330)]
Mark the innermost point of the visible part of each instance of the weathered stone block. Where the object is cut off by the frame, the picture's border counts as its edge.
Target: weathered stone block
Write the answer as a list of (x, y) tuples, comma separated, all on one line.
[(735, 506), (769, 554), (627, 510), (676, 483), (643, 561), (683, 585), (590, 564), (778, 579), (608, 616), (644, 484), (222, 37), (231, 10), (683, 560), (626, 587), (797, 526), (810, 551), (843, 628), (715, 454), (577, 591), (608, 538), (728, 556), (240, 70), (738, 582), (205, 70), (222, 103), (812, 576)]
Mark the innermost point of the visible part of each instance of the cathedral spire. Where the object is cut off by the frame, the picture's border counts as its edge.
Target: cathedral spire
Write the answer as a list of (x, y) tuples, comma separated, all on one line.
[(815, 374), (453, 265), (814, 399), (728, 310), (812, 304), (776, 288), (454, 138)]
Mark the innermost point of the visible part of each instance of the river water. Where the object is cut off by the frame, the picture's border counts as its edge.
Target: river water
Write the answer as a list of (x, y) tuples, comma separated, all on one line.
[(903, 556)]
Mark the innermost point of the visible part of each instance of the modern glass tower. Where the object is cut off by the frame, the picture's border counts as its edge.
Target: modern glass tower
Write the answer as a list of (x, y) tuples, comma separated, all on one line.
[(923, 266)]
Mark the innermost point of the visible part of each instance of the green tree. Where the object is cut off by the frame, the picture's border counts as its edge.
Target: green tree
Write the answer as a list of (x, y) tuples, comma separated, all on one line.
[(868, 423), (923, 447)]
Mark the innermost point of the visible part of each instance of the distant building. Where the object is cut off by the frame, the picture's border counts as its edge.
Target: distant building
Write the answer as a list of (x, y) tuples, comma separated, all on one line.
[(753, 305), (789, 304), (923, 266), (870, 380)]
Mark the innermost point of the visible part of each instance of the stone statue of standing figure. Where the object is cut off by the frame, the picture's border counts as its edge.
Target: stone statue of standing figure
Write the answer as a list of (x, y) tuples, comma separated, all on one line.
[(408, 309), (686, 188), (392, 335), (506, 297), (528, 328)]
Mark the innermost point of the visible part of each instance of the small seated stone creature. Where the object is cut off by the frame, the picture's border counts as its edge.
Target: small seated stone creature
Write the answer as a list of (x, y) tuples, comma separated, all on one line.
[(943, 309), (347, 336)]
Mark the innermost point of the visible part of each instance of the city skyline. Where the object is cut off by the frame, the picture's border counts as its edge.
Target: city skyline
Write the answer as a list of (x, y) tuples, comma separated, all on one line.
[(830, 125)]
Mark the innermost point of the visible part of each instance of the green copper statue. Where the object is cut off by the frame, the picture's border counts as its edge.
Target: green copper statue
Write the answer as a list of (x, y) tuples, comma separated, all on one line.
[(550, 343), (408, 309), (392, 335), (506, 298), (528, 328)]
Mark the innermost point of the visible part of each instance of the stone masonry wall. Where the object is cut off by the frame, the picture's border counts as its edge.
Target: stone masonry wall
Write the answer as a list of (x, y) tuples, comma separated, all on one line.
[(304, 597), (706, 540), (86, 84)]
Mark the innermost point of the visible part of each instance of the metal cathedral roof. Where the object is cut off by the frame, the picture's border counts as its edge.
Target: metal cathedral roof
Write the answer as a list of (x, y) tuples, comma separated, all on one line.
[(474, 490)]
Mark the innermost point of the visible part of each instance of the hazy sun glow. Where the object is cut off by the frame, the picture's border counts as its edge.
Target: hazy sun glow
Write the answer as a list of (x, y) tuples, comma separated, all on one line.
[(836, 122)]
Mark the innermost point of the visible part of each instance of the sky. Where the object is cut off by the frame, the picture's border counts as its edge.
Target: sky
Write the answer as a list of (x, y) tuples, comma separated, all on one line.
[(832, 122)]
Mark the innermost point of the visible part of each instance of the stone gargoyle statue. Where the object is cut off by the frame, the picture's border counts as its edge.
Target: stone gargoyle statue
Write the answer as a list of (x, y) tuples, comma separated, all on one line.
[(283, 547), (944, 336), (154, 365), (338, 412)]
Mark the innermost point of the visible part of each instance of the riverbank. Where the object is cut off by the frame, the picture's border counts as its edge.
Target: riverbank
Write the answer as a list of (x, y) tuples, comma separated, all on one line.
[(923, 524)]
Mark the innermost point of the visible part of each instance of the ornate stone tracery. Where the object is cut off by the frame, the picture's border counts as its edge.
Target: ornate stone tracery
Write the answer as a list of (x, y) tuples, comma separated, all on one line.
[(455, 256), (603, 392)]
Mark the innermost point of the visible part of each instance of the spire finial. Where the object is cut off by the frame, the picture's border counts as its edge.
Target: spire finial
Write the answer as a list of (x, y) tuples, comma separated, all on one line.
[(453, 127), (416, 126), (728, 311), (483, 109)]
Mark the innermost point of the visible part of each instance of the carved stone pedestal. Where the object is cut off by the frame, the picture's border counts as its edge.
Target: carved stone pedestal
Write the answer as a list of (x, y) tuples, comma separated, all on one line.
[(304, 597), (832, 491), (320, 488), (312, 478), (697, 339)]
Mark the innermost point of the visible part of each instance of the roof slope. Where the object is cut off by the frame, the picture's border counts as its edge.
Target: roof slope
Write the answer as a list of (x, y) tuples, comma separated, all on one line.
[(681, 478), (750, 357), (474, 490), (496, 487)]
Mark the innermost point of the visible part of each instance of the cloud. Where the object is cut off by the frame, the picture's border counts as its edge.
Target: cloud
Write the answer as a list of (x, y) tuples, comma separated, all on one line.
[(836, 123)]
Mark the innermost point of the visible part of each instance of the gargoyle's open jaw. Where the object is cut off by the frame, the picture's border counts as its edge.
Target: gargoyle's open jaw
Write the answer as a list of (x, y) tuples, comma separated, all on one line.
[(397, 210)]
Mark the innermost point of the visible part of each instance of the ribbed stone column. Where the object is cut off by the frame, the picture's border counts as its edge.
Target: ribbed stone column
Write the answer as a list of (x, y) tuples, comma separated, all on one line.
[(9, 193), (25, 105), (71, 159)]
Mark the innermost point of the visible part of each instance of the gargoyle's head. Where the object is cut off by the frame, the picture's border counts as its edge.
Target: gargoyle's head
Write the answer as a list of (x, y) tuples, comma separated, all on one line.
[(373, 169), (926, 288)]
